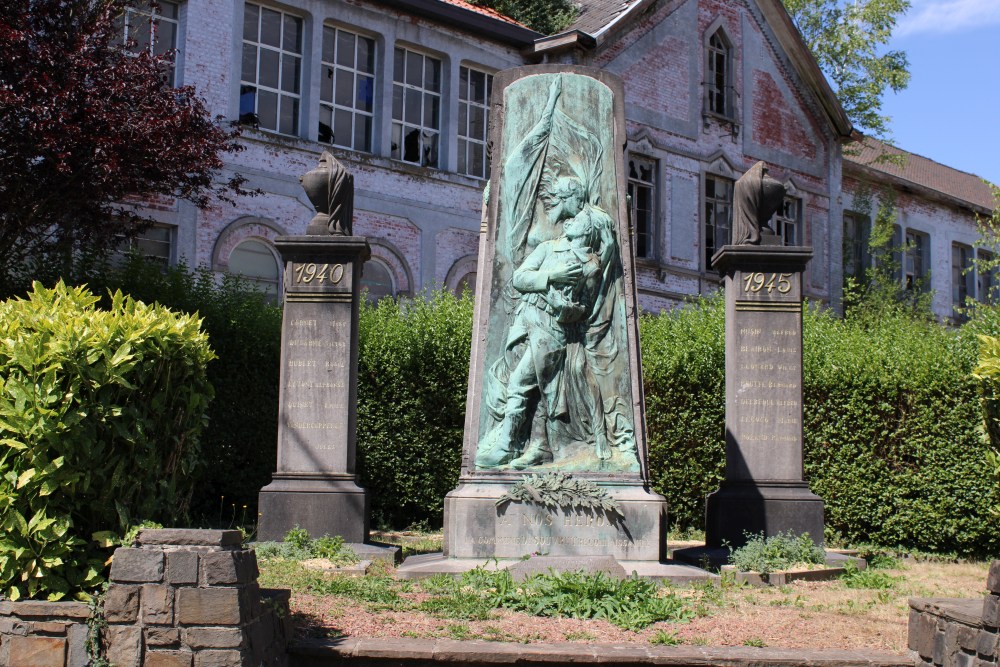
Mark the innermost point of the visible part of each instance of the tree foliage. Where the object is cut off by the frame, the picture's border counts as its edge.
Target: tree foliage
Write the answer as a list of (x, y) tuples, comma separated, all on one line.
[(544, 16), (848, 40), (86, 127)]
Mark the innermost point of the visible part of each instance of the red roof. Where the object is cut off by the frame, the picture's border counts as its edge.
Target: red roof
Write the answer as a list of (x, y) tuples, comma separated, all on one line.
[(486, 11), (922, 171)]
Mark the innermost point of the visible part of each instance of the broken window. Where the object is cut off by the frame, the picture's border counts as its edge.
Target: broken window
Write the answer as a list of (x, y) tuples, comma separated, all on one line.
[(642, 203), (347, 89), (271, 79), (416, 108)]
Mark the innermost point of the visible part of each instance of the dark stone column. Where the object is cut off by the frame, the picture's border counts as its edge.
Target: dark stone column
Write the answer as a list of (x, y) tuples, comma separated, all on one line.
[(315, 486), (764, 489)]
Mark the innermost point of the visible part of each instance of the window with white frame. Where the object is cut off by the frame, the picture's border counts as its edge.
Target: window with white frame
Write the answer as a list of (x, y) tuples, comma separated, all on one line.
[(788, 221), (986, 278), (347, 89), (271, 79), (963, 279), (474, 91), (150, 28), (416, 107), (642, 203), (718, 214), (916, 260), (718, 75), (856, 235)]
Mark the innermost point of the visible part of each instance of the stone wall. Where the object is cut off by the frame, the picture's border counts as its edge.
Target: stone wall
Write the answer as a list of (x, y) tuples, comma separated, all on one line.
[(189, 598), (43, 634), (957, 632)]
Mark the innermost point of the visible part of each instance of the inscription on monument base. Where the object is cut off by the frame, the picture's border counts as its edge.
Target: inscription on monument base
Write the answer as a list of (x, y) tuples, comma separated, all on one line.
[(315, 367)]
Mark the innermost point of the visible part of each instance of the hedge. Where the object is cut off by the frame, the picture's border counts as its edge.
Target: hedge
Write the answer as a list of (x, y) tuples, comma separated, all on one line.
[(101, 412), (239, 444), (893, 417), (893, 437)]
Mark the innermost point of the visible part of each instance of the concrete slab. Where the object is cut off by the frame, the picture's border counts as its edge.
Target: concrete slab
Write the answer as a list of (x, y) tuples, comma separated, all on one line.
[(426, 565), (377, 551)]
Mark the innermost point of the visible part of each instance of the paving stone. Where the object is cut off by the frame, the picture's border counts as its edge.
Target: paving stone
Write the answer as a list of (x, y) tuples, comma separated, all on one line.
[(199, 638), (958, 636), (168, 659), (137, 566), (991, 611), (190, 536), (229, 567), (939, 646), (123, 645), (76, 648), (49, 609), (37, 652), (987, 644), (159, 636), (157, 604), (993, 580), (208, 606), (182, 567), (47, 628), (121, 604), (922, 630), (9, 626), (215, 658)]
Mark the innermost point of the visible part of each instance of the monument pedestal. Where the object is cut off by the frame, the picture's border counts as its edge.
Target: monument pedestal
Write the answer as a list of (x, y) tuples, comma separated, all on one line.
[(315, 486), (475, 527), (764, 490)]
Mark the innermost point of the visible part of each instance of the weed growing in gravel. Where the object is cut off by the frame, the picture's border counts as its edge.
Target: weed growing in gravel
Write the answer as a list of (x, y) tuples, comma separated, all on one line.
[(298, 545), (664, 638), (778, 552), (873, 579)]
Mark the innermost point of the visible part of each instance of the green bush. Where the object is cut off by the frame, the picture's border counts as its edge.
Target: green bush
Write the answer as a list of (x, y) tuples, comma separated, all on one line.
[(412, 377), (100, 418), (239, 446), (683, 367)]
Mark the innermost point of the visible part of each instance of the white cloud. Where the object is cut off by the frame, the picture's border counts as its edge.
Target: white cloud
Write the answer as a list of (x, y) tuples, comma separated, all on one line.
[(948, 16)]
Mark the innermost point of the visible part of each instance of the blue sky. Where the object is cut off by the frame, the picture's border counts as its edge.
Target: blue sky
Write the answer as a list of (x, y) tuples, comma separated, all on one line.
[(950, 112)]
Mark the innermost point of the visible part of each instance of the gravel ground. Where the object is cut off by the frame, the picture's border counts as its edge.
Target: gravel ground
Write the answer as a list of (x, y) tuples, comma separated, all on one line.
[(804, 614)]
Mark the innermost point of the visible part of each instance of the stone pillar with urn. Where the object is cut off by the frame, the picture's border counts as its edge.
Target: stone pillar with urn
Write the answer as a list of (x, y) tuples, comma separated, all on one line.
[(315, 486), (764, 490)]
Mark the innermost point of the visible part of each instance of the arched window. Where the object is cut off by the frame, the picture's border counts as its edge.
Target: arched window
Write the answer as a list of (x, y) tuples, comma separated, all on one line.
[(466, 282), (377, 279), (719, 92), (254, 261)]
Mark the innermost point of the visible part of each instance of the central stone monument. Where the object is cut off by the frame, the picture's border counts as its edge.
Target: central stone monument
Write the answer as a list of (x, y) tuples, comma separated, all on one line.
[(554, 458), (764, 490)]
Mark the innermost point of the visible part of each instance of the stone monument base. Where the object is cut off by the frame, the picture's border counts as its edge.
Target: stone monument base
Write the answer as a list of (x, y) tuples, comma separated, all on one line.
[(323, 504), (738, 509), (428, 565), (475, 527)]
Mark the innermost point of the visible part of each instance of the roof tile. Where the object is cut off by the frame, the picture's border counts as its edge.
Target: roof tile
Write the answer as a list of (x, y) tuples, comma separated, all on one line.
[(924, 172), (486, 11)]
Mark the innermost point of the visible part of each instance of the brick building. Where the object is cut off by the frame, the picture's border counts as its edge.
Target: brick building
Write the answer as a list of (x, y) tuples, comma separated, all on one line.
[(398, 90)]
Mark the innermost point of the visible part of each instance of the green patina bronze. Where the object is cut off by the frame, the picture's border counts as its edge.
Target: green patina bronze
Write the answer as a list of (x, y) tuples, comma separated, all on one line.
[(557, 389)]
